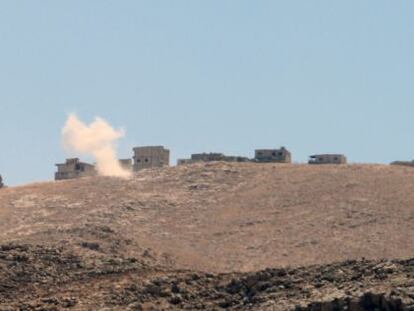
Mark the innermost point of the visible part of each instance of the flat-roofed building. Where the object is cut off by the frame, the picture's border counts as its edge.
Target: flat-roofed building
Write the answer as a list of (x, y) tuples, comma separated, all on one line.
[(207, 157), (150, 156), (211, 157), (74, 168), (327, 159), (404, 163), (281, 155)]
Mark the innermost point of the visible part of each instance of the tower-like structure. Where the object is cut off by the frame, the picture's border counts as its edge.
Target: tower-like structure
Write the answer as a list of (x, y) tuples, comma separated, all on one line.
[(150, 156)]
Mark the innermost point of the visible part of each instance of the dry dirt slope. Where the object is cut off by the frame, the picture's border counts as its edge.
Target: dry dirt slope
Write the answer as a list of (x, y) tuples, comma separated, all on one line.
[(225, 217), (219, 217)]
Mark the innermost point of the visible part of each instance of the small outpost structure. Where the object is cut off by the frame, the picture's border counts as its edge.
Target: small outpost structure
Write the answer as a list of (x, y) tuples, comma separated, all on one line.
[(211, 157), (327, 159), (403, 163), (281, 155), (74, 168), (1, 182), (208, 157), (150, 156)]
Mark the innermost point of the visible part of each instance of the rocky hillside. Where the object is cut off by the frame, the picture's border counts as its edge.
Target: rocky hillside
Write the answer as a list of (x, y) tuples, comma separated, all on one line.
[(212, 236), (41, 278)]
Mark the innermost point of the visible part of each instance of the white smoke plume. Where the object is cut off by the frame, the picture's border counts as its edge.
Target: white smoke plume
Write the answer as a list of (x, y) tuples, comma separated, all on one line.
[(96, 139)]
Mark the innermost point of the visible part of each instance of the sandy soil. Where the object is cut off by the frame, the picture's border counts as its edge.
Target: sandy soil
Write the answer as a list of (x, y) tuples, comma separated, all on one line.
[(220, 217)]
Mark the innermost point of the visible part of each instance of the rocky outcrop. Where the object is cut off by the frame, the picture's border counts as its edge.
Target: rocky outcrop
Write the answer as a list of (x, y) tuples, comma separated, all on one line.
[(367, 302), (37, 277)]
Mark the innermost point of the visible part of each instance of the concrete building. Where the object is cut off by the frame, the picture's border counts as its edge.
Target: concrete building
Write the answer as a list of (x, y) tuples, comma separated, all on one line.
[(236, 159), (281, 155), (73, 168), (210, 157), (404, 163), (150, 156), (207, 157), (327, 159)]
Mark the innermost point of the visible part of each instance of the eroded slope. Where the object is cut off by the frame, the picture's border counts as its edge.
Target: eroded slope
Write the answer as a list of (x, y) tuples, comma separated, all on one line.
[(223, 217)]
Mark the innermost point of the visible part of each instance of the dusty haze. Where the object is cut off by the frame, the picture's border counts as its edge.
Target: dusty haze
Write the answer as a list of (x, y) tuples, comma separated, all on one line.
[(96, 139)]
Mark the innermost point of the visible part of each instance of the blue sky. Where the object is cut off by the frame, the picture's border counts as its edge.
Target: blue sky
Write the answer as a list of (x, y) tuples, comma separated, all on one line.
[(223, 76)]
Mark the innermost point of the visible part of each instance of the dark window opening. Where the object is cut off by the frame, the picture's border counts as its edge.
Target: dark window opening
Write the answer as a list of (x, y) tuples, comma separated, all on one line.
[(146, 160)]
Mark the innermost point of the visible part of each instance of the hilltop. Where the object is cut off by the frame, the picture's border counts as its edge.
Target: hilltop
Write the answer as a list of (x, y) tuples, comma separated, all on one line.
[(199, 221)]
